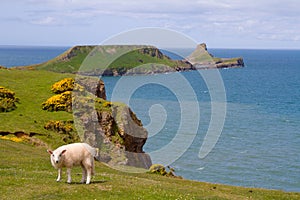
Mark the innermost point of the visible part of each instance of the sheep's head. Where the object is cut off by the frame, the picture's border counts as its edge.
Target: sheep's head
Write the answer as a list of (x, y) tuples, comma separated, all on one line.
[(56, 156)]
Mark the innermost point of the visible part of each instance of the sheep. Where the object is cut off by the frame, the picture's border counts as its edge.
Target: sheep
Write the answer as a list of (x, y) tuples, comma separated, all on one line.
[(73, 155)]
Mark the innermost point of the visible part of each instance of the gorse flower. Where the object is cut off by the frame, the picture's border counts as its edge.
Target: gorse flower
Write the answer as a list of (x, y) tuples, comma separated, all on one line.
[(7, 100), (13, 138), (64, 85), (60, 102)]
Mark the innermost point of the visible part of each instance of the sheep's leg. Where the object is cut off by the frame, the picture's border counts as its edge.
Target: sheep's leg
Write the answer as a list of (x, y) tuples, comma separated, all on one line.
[(84, 174), (69, 175), (89, 174), (59, 175), (87, 164)]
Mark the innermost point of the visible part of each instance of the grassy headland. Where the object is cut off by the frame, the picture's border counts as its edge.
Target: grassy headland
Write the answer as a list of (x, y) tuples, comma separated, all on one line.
[(110, 60), (118, 60), (26, 172)]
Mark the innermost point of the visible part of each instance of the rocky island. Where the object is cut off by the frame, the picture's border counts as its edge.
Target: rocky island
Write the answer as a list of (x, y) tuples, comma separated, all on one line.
[(119, 60), (202, 59)]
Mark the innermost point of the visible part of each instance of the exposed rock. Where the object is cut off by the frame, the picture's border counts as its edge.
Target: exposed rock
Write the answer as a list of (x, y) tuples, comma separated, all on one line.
[(230, 63), (131, 129), (111, 127), (152, 51), (202, 59), (93, 85), (118, 134)]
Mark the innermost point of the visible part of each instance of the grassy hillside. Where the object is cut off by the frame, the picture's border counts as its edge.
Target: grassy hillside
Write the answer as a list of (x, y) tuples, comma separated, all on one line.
[(112, 57), (32, 88), (26, 173)]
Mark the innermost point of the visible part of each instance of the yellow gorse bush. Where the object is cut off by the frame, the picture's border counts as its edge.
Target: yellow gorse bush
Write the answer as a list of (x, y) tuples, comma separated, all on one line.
[(67, 84), (59, 126), (7, 100), (63, 100), (59, 102), (6, 93)]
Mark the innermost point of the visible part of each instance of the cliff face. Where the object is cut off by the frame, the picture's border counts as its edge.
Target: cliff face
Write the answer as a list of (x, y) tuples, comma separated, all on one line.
[(113, 128)]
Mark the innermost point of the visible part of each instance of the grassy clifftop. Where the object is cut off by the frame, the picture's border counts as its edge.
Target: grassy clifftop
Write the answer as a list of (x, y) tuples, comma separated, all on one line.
[(111, 60)]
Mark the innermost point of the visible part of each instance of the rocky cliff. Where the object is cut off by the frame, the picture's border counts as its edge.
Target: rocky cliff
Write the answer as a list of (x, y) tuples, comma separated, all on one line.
[(112, 127)]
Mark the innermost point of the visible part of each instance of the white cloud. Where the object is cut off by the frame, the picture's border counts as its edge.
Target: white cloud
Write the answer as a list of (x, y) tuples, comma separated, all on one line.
[(256, 19), (45, 21)]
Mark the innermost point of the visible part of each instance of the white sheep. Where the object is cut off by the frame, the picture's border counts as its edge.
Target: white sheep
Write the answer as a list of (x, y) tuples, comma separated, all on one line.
[(73, 155)]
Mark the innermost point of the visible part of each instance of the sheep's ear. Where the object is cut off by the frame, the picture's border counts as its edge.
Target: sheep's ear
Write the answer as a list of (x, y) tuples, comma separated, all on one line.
[(49, 151), (63, 152)]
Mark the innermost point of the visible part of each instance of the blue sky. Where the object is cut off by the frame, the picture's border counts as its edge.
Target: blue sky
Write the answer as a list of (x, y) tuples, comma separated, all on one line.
[(219, 23)]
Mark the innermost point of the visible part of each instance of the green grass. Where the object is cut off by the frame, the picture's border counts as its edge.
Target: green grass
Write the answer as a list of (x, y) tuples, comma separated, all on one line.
[(32, 88), (89, 59), (66, 64), (26, 173)]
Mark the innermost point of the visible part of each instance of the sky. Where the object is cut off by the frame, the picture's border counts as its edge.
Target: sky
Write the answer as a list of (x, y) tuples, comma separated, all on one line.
[(262, 24)]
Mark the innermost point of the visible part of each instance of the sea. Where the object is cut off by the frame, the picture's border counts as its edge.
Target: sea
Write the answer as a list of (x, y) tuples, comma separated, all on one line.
[(250, 115)]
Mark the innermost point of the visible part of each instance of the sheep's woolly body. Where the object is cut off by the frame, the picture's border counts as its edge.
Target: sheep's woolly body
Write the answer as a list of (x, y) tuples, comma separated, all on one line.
[(74, 155)]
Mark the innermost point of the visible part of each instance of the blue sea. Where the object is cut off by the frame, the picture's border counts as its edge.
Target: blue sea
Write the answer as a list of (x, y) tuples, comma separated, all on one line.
[(259, 144)]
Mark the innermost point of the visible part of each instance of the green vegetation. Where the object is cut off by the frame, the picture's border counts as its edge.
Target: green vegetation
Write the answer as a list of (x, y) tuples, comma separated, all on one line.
[(136, 58), (108, 60), (26, 173), (68, 62), (67, 84), (7, 100), (65, 128), (161, 170), (32, 88)]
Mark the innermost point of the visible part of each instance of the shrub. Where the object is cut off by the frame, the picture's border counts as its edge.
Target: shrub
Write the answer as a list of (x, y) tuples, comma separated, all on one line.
[(64, 85), (103, 105), (7, 100), (60, 102), (161, 170), (64, 127)]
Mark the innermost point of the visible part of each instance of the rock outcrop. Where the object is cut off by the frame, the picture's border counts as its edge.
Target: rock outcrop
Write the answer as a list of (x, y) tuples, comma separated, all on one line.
[(112, 127), (202, 59)]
